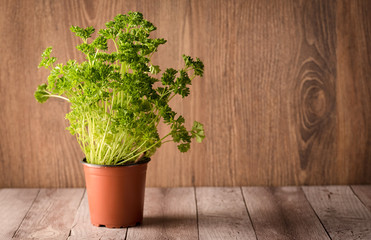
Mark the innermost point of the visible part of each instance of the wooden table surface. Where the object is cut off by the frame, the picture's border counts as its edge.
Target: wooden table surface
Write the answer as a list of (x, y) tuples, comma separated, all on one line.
[(325, 212)]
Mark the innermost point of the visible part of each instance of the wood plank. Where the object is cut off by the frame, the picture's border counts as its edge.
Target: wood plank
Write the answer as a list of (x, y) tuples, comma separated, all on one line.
[(313, 85), (248, 48), (282, 213), (51, 214), (363, 192), (14, 205), (83, 229), (341, 212), (222, 214), (45, 154), (353, 83), (169, 213)]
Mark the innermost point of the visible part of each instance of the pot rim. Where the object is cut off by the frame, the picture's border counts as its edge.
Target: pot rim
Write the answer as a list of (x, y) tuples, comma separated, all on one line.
[(83, 161)]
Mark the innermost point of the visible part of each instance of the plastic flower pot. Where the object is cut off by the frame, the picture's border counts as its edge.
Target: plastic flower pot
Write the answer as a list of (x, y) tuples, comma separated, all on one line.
[(115, 194)]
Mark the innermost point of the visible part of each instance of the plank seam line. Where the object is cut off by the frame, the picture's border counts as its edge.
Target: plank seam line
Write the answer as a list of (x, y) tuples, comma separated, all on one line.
[(82, 197), (198, 228), (248, 213), (20, 224), (319, 219), (364, 204), (126, 233)]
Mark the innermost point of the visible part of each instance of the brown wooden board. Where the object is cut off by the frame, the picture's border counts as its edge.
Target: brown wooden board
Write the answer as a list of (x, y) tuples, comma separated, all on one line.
[(343, 215), (363, 192), (222, 214), (353, 90), (313, 76), (14, 205), (282, 213), (201, 213), (169, 213), (285, 98), (84, 230), (51, 215)]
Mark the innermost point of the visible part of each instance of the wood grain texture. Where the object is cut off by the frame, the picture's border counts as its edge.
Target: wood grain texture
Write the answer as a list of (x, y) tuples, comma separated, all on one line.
[(343, 215), (363, 192), (314, 90), (51, 214), (353, 88), (169, 213), (222, 214), (282, 213), (211, 213), (285, 98), (14, 204), (84, 230)]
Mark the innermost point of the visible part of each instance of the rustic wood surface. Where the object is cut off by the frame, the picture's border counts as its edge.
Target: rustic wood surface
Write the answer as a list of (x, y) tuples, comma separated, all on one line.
[(51, 214), (282, 213), (343, 215), (222, 214), (363, 192), (168, 214), (14, 205), (203, 213), (285, 99)]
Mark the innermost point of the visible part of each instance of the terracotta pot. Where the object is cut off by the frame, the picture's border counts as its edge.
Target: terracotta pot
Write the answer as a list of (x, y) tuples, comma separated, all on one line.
[(115, 194)]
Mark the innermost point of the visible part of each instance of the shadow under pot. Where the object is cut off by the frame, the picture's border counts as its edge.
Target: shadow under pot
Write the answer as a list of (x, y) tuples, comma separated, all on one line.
[(115, 193)]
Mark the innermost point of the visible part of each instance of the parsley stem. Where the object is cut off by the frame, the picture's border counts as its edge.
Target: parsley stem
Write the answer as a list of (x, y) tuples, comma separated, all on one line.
[(114, 42), (138, 154), (57, 96)]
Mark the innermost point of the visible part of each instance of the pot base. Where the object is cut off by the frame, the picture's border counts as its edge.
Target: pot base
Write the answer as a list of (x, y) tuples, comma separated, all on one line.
[(117, 226)]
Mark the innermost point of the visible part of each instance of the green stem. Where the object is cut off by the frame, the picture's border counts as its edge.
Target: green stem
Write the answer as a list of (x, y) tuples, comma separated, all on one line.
[(57, 96), (103, 139), (138, 154), (114, 42), (171, 97), (95, 56), (133, 151)]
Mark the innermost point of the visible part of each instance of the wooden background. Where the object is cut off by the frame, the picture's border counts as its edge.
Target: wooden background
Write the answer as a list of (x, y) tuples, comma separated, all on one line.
[(285, 100)]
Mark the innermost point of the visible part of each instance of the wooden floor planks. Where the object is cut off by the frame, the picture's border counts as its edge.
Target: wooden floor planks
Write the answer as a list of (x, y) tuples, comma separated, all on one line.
[(168, 214), (14, 205), (364, 194), (51, 214), (222, 214), (326, 212), (343, 215), (282, 213)]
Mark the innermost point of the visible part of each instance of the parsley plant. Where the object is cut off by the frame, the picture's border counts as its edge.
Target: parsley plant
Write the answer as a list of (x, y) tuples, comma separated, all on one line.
[(115, 107)]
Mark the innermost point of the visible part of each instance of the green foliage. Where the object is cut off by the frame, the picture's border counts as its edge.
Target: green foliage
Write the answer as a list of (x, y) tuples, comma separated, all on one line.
[(115, 104), (41, 94), (47, 61)]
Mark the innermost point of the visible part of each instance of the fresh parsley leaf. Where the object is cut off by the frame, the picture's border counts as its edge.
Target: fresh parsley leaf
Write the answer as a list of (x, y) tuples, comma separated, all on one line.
[(198, 131), (83, 33), (41, 94)]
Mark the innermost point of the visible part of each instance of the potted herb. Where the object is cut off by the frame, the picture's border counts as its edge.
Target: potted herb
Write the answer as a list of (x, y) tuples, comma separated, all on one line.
[(117, 100)]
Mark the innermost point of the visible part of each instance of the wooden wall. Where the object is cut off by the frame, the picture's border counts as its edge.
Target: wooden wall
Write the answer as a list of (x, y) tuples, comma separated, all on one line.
[(285, 100)]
